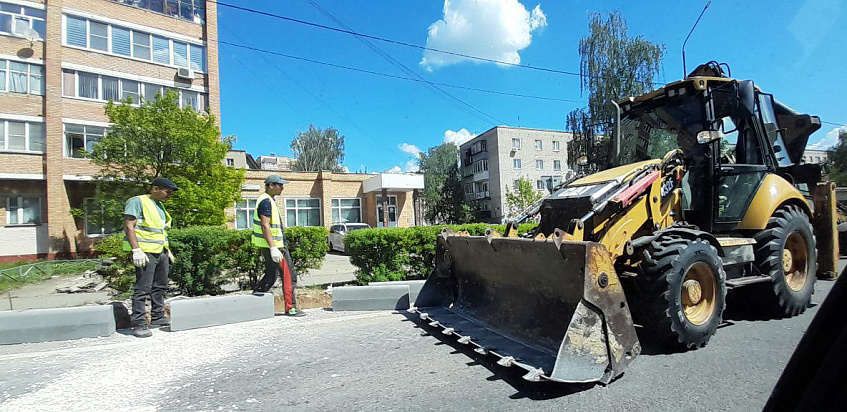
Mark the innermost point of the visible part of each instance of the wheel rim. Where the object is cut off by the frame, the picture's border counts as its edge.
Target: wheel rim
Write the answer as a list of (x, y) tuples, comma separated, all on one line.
[(699, 293), (795, 261)]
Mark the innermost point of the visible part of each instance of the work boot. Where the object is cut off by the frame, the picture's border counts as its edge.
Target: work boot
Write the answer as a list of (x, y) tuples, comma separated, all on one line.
[(163, 321), (141, 331), (294, 312)]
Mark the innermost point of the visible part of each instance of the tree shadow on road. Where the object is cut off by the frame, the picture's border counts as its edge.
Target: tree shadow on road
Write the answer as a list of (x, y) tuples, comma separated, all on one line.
[(513, 376)]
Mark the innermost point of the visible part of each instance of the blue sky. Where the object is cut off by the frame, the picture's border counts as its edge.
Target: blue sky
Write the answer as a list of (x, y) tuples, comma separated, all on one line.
[(795, 50)]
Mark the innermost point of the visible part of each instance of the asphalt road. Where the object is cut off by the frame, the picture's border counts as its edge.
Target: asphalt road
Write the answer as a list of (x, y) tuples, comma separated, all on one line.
[(377, 361)]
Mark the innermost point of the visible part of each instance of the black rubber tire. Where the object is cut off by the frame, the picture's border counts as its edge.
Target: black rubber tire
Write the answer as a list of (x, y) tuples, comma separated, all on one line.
[(784, 301), (664, 266)]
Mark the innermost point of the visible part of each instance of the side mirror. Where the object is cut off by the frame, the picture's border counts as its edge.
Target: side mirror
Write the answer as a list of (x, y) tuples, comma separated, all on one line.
[(708, 136)]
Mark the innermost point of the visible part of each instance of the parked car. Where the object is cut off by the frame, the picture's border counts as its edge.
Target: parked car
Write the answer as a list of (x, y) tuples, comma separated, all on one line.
[(338, 231)]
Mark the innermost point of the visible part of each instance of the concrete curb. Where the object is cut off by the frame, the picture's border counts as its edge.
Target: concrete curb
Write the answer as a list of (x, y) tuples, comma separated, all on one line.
[(414, 286), (371, 297), (220, 310), (44, 325)]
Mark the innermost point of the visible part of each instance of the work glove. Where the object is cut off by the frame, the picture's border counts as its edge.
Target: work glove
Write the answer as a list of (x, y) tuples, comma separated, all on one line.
[(139, 258), (276, 255), (171, 256)]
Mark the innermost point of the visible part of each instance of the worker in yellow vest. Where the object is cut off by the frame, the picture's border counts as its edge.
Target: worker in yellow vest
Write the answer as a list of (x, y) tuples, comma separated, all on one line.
[(269, 237), (146, 223)]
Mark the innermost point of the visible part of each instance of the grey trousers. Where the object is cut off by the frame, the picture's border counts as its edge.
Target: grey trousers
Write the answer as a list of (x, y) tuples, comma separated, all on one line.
[(152, 281)]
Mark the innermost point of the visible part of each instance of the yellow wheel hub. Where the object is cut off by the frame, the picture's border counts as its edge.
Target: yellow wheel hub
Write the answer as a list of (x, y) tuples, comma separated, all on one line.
[(795, 261), (699, 293)]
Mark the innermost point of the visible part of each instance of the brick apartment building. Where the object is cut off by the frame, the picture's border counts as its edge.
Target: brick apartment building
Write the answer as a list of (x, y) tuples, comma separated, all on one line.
[(493, 161), (52, 93)]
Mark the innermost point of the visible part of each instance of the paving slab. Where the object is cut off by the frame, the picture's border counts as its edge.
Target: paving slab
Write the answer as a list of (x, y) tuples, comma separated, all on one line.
[(220, 310), (44, 325)]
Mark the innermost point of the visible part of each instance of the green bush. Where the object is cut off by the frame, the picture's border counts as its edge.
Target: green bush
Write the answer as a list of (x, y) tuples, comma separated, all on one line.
[(385, 254), (209, 256)]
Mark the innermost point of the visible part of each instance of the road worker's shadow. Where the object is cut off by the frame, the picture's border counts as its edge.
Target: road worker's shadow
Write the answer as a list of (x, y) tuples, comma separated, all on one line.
[(513, 376)]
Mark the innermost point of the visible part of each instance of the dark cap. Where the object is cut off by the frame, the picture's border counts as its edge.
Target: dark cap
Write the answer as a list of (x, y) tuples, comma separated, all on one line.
[(164, 182), (275, 179)]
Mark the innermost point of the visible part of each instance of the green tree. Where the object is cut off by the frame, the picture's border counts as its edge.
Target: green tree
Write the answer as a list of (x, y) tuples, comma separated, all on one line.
[(159, 139), (613, 66), (523, 197), (442, 196), (838, 160), (317, 149)]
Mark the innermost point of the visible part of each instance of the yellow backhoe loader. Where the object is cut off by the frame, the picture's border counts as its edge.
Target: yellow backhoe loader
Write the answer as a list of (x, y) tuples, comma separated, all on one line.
[(658, 237)]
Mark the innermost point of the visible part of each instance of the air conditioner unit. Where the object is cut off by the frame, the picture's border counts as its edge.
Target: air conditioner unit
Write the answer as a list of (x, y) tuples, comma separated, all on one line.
[(185, 73)]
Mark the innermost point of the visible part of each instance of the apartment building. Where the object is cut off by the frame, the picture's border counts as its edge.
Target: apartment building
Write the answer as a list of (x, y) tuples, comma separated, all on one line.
[(817, 156), (60, 62), (494, 161)]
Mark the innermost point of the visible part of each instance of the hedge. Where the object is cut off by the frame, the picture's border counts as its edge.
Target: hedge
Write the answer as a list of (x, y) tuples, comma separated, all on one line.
[(386, 254), (209, 256)]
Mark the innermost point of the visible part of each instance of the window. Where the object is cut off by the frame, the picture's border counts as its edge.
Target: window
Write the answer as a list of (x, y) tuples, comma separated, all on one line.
[(22, 210), (303, 212), (516, 184), (469, 188), (16, 19), (539, 184), (21, 136), (111, 90), (80, 139), (121, 41), (557, 165), (189, 10), (516, 144), (189, 99), (129, 88), (230, 162), (88, 85), (539, 164), (538, 145), (151, 90), (244, 211), (3, 67), (105, 88), (516, 163), (556, 146), (19, 77), (141, 45), (347, 210), (98, 39), (97, 222)]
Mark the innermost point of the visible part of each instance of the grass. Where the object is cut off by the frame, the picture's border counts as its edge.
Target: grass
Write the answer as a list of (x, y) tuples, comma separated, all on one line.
[(41, 271)]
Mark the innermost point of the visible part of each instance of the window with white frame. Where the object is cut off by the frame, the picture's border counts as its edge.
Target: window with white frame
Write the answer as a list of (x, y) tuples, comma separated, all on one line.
[(347, 210), (516, 184), (19, 77), (556, 146), (97, 222), (539, 184), (230, 162), (516, 163), (189, 10), (303, 212), (20, 136), (468, 188), (538, 145), (516, 144), (539, 164), (557, 165), (121, 41), (16, 19), (103, 88), (80, 139), (244, 211), (23, 210)]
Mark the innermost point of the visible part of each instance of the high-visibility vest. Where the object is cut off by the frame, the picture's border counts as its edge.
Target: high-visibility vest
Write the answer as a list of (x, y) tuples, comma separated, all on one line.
[(276, 224), (150, 230)]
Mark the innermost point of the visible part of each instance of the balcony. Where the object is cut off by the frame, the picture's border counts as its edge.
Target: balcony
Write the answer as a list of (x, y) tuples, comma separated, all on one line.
[(483, 175), (481, 195)]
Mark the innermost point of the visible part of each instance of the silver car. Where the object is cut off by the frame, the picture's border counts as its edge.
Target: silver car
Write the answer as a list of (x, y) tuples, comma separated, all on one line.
[(338, 231)]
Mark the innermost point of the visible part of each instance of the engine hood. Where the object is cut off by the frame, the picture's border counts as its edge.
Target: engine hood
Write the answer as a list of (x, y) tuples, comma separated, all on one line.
[(620, 173)]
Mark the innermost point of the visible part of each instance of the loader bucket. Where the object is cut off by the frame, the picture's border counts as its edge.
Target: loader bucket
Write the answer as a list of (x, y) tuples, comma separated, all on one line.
[(553, 307)]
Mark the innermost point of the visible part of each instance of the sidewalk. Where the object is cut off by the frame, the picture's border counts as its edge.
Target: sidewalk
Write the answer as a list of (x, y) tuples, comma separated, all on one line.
[(43, 295), (336, 269)]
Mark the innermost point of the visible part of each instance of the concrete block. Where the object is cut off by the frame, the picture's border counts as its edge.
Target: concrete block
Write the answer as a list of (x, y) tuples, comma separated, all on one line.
[(414, 287), (372, 297), (43, 325), (220, 310)]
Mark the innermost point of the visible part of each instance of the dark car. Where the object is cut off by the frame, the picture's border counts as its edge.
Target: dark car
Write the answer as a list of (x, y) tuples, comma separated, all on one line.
[(338, 231)]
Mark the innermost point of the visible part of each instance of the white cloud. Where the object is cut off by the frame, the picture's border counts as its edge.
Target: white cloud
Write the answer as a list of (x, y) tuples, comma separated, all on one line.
[(830, 140), (492, 29), (458, 138), (412, 166), (395, 169), (410, 149)]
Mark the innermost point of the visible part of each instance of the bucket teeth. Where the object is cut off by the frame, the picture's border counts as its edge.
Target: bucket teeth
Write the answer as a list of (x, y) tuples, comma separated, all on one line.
[(506, 361), (424, 316), (481, 351), (434, 323), (464, 340), (412, 310), (448, 331), (534, 375)]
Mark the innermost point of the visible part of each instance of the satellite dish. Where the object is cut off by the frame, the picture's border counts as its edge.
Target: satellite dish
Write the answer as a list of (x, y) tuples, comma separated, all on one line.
[(31, 35)]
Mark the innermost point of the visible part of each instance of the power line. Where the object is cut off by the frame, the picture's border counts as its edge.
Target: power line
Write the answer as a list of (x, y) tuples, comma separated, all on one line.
[(405, 44), (403, 68), (834, 124)]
